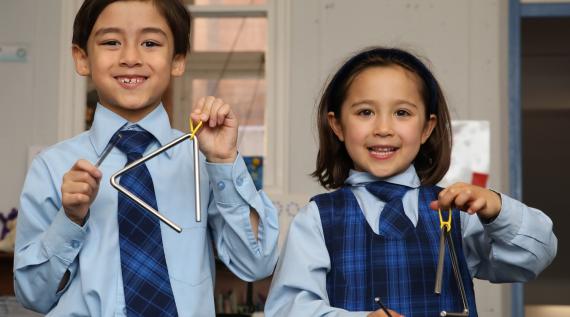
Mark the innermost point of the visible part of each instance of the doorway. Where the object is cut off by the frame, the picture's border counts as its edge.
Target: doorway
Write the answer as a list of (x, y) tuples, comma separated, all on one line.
[(545, 104), (539, 113)]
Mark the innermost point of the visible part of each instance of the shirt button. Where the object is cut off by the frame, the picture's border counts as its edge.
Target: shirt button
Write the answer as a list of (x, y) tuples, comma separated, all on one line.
[(75, 244), (221, 185), (239, 181)]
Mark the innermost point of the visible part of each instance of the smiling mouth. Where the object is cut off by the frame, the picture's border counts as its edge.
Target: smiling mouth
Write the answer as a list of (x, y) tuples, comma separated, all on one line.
[(130, 82), (382, 152)]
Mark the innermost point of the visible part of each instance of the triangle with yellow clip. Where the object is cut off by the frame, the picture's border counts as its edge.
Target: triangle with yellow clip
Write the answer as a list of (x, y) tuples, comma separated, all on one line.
[(190, 136), (445, 236)]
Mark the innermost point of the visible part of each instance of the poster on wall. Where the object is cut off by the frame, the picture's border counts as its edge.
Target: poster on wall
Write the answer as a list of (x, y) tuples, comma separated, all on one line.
[(471, 153), (255, 168)]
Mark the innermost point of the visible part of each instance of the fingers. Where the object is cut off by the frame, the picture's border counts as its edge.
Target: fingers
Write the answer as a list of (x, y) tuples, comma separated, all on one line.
[(200, 111), (394, 314), (459, 195), (462, 199), (74, 201), (79, 188), (218, 139), (87, 167), (467, 197), (477, 205), (213, 111), (82, 177), (223, 112), (434, 205)]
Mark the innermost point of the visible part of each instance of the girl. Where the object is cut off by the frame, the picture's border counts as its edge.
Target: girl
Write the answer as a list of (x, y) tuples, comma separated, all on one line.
[(373, 243)]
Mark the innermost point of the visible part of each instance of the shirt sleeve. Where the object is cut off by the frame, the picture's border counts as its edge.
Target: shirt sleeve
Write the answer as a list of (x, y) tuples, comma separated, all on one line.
[(47, 242), (234, 197), (515, 247), (299, 283)]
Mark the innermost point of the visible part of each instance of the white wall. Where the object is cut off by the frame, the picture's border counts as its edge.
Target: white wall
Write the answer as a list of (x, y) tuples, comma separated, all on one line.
[(29, 91), (466, 42)]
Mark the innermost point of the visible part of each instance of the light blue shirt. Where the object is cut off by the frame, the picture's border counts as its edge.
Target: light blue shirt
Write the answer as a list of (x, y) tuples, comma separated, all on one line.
[(48, 243), (516, 246)]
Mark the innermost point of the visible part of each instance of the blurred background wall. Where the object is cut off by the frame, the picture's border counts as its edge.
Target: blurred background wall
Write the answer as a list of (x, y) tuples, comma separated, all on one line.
[(466, 43)]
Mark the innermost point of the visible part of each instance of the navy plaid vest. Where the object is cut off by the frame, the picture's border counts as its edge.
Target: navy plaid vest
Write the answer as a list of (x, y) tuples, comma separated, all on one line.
[(401, 272)]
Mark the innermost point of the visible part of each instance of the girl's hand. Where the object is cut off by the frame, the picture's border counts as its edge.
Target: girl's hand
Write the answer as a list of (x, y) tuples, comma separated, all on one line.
[(218, 136), (79, 189), (381, 313), (469, 198)]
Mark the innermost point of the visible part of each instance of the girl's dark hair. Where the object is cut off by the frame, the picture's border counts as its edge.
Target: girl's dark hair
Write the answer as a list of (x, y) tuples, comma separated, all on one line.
[(333, 161), (174, 11)]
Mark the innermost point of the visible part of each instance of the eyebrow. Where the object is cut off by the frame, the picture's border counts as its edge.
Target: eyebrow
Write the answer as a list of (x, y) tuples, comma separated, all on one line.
[(401, 101), (361, 101), (103, 31), (370, 101), (154, 30), (108, 30)]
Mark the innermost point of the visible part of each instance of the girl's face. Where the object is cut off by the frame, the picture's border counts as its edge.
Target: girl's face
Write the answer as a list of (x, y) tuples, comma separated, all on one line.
[(382, 120)]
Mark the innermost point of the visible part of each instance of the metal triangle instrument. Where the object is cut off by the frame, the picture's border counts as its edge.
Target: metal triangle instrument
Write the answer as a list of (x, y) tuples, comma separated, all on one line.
[(190, 136), (444, 237)]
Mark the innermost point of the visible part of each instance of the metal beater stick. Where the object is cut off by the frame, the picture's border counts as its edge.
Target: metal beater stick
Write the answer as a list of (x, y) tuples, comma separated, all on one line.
[(440, 260)]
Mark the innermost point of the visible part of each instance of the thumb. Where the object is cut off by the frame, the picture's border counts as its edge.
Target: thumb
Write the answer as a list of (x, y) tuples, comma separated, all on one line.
[(434, 205)]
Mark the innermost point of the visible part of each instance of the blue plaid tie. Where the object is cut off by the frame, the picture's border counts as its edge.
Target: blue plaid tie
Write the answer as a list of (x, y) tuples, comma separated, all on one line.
[(145, 275), (393, 221)]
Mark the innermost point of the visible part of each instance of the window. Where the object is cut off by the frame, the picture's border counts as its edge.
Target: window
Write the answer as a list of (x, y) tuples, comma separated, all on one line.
[(227, 60)]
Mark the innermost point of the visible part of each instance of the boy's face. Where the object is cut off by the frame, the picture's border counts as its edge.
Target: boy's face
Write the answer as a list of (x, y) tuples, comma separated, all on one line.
[(130, 58)]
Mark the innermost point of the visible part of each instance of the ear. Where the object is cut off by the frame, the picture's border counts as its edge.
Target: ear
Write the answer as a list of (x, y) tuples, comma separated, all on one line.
[(336, 126), (178, 65), (81, 60), (428, 128)]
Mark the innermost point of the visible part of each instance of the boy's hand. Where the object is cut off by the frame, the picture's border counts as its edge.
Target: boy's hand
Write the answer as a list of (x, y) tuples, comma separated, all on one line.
[(79, 189), (469, 198), (218, 135), (381, 313)]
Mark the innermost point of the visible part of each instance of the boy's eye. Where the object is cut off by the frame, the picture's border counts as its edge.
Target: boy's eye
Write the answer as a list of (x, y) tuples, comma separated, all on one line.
[(111, 43), (150, 44), (365, 112)]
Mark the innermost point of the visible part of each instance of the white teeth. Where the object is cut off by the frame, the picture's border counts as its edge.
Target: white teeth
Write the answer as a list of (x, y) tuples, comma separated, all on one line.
[(131, 80), (385, 150)]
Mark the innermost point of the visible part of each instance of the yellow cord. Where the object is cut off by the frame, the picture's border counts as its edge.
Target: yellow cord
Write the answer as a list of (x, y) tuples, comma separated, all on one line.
[(194, 130), (446, 224)]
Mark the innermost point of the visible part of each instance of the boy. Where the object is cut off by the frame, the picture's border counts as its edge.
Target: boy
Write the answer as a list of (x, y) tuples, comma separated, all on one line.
[(78, 252)]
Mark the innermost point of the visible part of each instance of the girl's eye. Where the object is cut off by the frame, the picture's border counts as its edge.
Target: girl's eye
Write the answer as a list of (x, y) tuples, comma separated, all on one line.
[(402, 113), (150, 44), (365, 112)]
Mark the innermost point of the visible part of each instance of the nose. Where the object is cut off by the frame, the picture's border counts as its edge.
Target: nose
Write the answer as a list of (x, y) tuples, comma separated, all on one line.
[(130, 56), (383, 126)]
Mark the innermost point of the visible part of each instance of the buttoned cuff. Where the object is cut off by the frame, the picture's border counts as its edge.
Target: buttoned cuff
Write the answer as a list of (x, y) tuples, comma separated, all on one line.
[(232, 184), (507, 224), (64, 238)]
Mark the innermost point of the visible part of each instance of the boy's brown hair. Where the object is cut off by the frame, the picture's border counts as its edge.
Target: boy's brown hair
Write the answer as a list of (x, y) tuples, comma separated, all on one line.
[(174, 11), (333, 161)]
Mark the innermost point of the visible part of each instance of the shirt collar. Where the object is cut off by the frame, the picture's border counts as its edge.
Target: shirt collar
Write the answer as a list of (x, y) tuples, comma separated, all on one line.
[(407, 178), (106, 123)]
